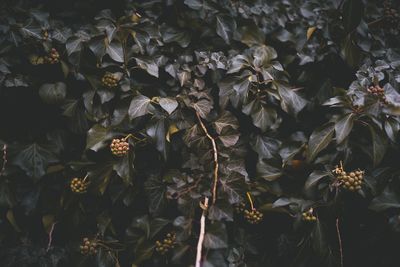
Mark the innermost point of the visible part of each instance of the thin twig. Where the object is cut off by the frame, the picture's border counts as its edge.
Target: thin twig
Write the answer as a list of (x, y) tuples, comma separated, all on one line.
[(112, 245), (126, 137), (115, 257), (202, 231), (250, 200), (86, 176), (138, 140), (375, 21), (125, 58), (187, 189), (369, 24), (51, 236), (340, 242), (216, 166), (3, 169)]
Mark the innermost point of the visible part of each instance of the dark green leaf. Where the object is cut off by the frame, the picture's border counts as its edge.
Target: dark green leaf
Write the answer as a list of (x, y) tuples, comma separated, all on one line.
[(350, 52), (319, 139), (267, 171), (225, 27), (221, 211), (343, 127), (282, 202), (203, 107), (115, 51), (225, 120), (168, 104), (16, 81), (379, 145), (263, 117), (353, 11), (139, 106), (229, 137), (97, 137), (34, 160), (291, 101), (216, 236), (313, 178), (388, 199), (149, 65), (170, 35), (157, 225), (156, 130), (53, 93), (251, 35), (266, 147), (156, 190), (232, 186), (32, 30), (124, 168)]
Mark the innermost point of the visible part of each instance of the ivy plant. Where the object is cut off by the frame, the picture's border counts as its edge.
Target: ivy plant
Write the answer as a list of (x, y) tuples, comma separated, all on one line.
[(199, 133)]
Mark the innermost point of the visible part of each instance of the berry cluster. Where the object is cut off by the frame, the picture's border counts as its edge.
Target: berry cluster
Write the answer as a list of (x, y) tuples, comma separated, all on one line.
[(392, 16), (309, 216), (253, 216), (36, 60), (119, 147), (109, 80), (167, 244), (351, 181), (378, 92), (88, 247), (241, 207), (79, 185), (53, 57)]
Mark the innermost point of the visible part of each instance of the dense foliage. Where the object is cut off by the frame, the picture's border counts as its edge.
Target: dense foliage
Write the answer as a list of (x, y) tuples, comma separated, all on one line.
[(120, 118)]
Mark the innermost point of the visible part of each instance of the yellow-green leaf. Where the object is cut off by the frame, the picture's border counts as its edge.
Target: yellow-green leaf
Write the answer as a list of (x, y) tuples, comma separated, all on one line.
[(310, 32)]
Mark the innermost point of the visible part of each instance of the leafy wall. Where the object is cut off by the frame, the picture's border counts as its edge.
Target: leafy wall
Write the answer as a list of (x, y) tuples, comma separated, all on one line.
[(127, 126)]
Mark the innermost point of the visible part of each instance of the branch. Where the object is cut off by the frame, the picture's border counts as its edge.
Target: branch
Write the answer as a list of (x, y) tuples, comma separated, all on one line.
[(340, 242), (376, 21), (202, 231), (3, 168), (369, 24), (50, 236), (125, 58), (187, 189), (250, 200), (216, 166)]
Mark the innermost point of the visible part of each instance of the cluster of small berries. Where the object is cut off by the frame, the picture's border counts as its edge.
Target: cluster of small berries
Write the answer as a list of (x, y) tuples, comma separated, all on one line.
[(253, 216), (36, 60), (109, 80), (119, 147), (53, 57), (241, 207), (88, 247), (167, 244), (378, 92), (309, 216), (351, 181), (79, 185)]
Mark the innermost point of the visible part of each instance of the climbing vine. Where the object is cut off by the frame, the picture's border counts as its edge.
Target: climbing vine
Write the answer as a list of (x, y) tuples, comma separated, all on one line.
[(199, 133)]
